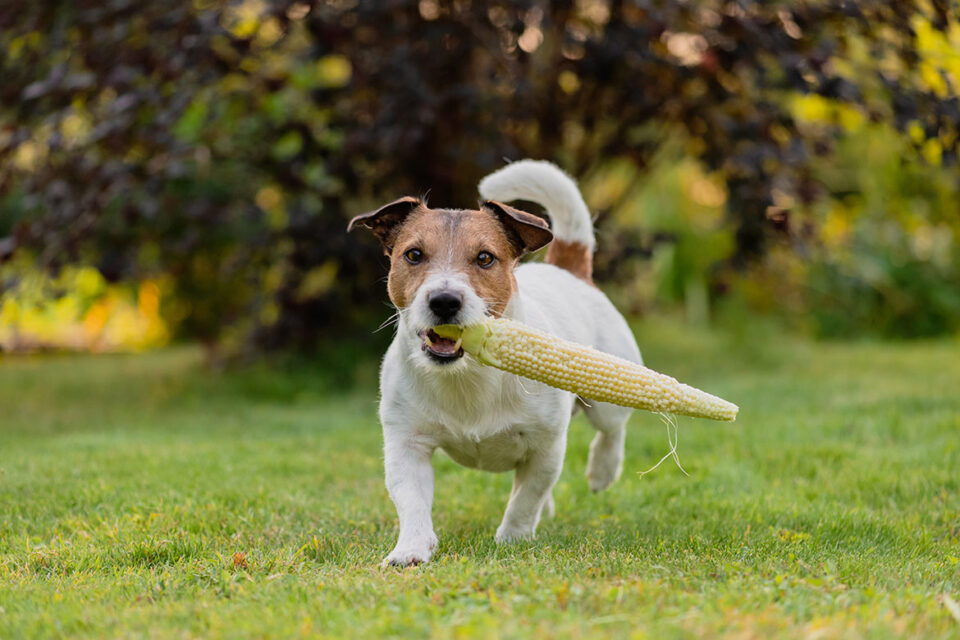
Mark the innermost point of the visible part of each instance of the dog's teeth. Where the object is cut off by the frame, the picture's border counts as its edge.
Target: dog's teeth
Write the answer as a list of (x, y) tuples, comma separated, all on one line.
[(456, 347)]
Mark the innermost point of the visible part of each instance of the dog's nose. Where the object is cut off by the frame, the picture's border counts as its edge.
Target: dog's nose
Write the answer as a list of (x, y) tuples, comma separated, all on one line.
[(445, 304)]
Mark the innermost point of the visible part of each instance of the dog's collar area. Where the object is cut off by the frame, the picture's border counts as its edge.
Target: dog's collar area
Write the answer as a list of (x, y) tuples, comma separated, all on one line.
[(440, 349)]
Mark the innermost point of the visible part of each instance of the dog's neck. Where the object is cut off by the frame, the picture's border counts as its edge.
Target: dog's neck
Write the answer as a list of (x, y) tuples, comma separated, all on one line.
[(469, 398)]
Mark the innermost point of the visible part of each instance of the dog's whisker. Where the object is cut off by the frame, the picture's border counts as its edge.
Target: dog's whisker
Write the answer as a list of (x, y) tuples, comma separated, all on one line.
[(393, 319)]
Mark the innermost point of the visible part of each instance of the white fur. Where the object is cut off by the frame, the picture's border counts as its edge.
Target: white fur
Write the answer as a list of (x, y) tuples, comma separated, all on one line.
[(485, 418), (547, 185)]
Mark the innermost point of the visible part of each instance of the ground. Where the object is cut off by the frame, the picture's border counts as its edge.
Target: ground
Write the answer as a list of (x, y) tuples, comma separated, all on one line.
[(145, 496)]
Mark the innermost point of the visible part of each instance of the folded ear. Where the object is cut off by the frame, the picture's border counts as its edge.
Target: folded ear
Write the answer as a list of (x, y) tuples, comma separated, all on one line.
[(526, 231), (385, 222)]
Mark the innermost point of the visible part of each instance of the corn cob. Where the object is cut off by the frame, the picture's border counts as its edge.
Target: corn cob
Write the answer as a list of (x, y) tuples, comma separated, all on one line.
[(591, 374)]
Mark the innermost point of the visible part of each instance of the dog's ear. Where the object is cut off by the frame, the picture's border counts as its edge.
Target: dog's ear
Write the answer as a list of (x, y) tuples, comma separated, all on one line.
[(526, 231), (385, 222)]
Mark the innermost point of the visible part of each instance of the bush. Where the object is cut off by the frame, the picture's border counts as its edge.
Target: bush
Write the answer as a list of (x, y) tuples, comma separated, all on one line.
[(225, 145)]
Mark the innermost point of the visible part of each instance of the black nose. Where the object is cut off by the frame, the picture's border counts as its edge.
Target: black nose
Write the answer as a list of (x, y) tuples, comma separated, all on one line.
[(445, 304)]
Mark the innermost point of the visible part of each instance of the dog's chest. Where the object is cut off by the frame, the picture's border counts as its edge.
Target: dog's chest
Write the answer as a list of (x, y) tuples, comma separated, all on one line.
[(485, 419), (495, 438), (502, 451)]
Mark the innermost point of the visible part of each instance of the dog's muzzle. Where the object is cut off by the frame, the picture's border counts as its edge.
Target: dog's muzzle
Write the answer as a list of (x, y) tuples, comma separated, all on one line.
[(440, 350)]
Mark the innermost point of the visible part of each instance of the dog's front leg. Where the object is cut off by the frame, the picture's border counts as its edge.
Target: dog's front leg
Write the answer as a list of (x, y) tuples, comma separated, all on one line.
[(532, 485), (409, 479)]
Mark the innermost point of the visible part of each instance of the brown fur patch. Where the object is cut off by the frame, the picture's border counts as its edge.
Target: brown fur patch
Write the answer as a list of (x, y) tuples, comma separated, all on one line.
[(572, 256), (452, 240), (527, 232)]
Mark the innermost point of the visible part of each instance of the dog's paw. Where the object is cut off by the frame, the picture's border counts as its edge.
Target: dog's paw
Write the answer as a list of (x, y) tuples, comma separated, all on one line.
[(506, 534), (605, 462), (548, 510), (411, 554), (601, 478)]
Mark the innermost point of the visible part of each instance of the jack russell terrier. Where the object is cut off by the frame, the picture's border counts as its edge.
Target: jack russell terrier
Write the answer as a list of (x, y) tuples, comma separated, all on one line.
[(454, 266)]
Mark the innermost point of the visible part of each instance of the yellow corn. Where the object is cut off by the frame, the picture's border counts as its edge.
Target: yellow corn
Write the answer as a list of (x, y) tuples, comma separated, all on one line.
[(591, 374)]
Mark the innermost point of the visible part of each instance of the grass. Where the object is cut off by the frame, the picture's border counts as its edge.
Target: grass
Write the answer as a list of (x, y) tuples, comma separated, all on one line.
[(142, 496)]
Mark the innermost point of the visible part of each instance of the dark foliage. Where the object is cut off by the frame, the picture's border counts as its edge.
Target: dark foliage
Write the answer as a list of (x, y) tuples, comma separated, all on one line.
[(156, 126)]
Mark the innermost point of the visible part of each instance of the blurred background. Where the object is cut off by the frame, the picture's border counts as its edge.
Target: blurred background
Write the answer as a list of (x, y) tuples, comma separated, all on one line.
[(175, 171)]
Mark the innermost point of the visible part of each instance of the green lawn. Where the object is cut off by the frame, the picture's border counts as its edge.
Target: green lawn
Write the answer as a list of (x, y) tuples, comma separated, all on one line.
[(143, 496)]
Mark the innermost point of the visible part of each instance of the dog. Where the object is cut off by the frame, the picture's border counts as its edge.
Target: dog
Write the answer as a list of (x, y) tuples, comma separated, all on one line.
[(456, 266)]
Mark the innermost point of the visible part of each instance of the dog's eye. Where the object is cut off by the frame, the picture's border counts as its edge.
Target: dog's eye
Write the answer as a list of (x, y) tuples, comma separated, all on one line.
[(413, 256), (485, 259)]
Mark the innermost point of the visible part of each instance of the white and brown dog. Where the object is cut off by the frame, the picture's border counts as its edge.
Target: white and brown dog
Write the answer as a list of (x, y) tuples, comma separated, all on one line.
[(454, 266)]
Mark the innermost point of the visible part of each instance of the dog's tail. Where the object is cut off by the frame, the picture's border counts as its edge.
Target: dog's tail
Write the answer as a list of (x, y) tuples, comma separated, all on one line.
[(547, 185)]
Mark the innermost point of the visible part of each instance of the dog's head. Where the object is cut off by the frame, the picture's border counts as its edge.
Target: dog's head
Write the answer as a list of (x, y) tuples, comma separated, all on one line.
[(450, 266)]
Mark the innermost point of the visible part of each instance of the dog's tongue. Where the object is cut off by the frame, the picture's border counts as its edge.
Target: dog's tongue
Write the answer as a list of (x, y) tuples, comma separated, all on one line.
[(440, 345)]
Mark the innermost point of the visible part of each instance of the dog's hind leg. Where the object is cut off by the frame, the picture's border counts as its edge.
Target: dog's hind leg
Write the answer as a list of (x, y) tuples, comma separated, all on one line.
[(606, 451)]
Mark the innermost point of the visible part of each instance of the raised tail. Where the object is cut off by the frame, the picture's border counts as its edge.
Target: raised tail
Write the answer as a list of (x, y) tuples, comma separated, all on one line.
[(547, 185)]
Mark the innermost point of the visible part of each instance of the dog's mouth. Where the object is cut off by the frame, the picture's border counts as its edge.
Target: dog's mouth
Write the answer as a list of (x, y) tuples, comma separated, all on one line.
[(440, 349)]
